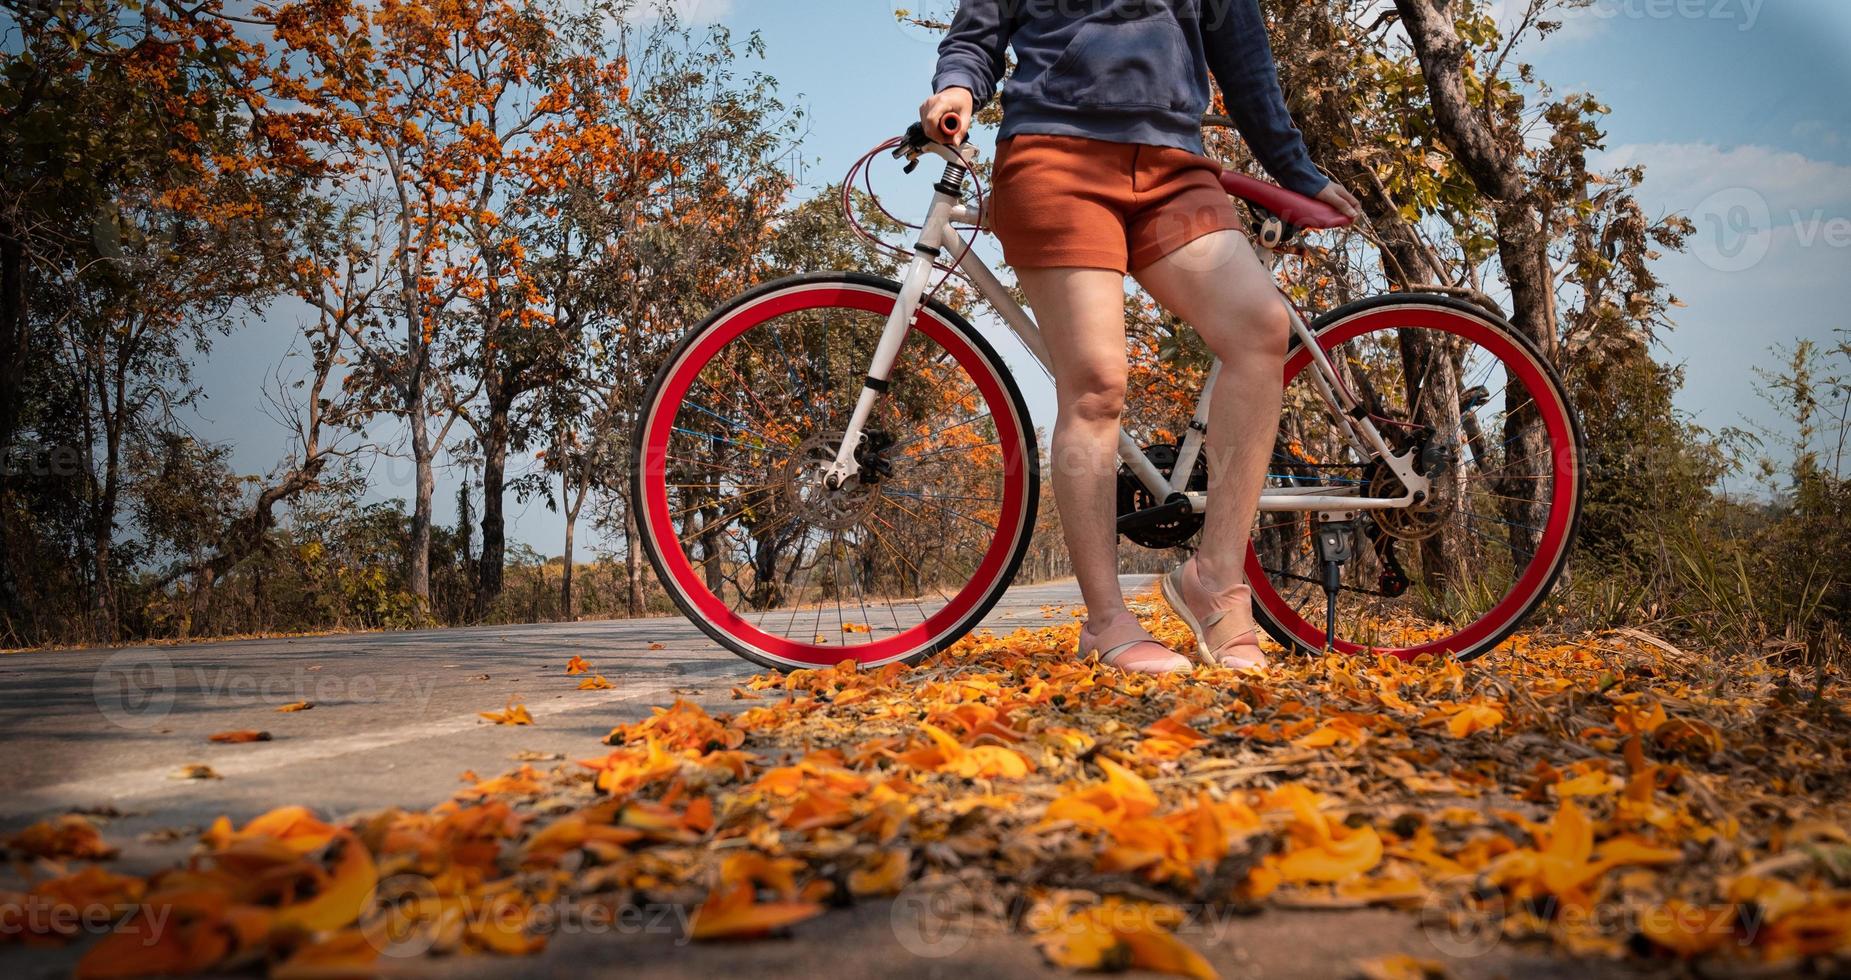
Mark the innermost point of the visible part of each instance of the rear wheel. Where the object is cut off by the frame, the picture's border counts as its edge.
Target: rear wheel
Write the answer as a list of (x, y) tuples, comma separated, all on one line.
[(1492, 430), (901, 560)]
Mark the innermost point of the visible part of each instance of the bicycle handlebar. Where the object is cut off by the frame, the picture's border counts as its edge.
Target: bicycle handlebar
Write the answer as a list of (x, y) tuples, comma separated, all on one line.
[(917, 140)]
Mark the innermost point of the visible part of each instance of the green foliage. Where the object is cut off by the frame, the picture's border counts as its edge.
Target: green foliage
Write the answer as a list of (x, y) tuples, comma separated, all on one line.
[(1757, 575)]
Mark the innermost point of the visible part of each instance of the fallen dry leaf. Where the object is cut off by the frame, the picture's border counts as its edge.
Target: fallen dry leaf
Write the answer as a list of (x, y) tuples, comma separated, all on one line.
[(348, 953), (737, 914), (1550, 782), (69, 836), (194, 770), (596, 682), (514, 714), (1116, 935), (297, 706), (243, 735), (1401, 966), (883, 875)]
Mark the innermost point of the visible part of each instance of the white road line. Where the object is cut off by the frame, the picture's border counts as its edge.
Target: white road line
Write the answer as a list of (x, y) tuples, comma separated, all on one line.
[(153, 782)]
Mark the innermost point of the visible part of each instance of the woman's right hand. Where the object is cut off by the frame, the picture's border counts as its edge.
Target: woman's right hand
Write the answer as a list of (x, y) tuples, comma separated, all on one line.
[(953, 101)]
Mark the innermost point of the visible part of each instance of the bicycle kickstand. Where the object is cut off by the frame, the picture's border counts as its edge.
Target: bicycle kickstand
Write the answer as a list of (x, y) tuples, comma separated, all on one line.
[(1336, 544)]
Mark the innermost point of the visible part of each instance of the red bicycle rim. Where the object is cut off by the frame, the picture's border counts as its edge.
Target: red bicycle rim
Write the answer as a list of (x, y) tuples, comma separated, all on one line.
[(940, 625), (1535, 577)]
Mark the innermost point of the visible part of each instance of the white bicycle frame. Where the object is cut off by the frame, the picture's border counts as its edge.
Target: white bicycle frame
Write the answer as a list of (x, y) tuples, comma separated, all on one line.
[(938, 237)]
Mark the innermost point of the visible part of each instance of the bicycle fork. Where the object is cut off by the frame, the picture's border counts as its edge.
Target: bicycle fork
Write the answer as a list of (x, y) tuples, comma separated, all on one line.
[(933, 239)]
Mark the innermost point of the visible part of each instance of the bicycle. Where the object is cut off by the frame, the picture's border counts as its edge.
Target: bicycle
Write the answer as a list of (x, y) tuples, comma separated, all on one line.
[(837, 466)]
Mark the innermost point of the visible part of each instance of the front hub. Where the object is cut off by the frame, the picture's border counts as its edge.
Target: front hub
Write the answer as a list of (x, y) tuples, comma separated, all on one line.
[(807, 490)]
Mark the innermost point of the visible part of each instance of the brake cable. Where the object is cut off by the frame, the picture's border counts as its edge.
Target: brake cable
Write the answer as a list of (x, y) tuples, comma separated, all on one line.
[(861, 170)]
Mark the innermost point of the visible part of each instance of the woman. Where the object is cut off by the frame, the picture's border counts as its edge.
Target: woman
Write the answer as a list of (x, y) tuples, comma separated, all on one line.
[(1100, 174)]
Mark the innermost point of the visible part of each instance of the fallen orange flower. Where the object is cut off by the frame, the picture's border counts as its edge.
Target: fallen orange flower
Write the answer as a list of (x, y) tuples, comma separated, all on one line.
[(736, 914), (244, 735), (1115, 935), (69, 836), (514, 714)]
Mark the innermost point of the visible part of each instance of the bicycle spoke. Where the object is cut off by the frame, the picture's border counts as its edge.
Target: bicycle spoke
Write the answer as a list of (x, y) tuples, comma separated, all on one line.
[(806, 566), (1476, 533), (933, 435)]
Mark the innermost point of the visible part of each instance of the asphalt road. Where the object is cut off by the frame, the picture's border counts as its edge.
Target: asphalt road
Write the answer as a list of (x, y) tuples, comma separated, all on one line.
[(395, 717), (395, 722)]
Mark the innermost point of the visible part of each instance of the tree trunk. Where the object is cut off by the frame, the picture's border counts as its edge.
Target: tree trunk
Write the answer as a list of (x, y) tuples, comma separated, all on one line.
[(632, 559), (15, 340), (571, 513), (465, 517), (1431, 384), (494, 486), (104, 529), (1494, 162), (418, 564)]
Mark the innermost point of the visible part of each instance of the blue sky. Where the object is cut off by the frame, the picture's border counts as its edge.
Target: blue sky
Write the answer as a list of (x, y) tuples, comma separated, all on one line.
[(1738, 109)]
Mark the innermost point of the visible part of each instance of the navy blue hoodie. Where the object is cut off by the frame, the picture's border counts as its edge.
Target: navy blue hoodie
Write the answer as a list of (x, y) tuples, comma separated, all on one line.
[(1128, 71)]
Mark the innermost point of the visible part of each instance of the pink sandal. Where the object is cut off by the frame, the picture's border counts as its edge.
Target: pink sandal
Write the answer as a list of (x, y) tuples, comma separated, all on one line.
[(1225, 635), (1124, 643)]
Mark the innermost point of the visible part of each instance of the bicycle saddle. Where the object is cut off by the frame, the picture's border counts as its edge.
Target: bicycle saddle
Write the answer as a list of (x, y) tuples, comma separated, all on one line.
[(1291, 208)]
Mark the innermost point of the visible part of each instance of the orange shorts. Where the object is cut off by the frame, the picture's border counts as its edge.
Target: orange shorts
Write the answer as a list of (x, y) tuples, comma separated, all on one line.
[(1064, 201)]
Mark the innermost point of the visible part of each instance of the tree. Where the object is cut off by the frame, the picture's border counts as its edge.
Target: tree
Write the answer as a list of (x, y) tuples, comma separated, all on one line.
[(419, 103), (128, 242), (691, 187)]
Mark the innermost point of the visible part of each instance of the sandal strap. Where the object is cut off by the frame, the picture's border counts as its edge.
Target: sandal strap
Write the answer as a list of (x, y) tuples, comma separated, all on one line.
[(1119, 637), (1239, 620), (1115, 634), (1228, 627)]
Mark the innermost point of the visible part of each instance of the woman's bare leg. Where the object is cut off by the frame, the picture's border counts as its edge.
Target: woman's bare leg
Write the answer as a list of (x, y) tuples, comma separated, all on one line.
[(1218, 286), (1082, 313)]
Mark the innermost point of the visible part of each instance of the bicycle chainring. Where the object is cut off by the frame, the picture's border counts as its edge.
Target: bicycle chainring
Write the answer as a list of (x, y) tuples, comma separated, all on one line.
[(1133, 496)]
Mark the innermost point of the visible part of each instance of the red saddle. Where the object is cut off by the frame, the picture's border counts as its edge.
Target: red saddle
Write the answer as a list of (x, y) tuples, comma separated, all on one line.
[(1294, 209)]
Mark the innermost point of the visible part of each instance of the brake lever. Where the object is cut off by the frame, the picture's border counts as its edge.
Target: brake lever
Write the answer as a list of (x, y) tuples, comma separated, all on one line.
[(911, 146)]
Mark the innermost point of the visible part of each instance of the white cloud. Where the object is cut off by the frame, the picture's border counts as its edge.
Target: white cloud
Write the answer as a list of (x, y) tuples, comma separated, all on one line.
[(1797, 191), (1779, 219), (1767, 264)]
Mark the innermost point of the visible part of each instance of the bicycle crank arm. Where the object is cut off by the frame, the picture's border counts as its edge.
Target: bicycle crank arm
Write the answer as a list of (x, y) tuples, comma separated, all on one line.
[(1177, 506)]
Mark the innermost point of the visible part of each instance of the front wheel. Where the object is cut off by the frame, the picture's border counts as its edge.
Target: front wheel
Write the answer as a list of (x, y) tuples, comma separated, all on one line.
[(1495, 436), (899, 561)]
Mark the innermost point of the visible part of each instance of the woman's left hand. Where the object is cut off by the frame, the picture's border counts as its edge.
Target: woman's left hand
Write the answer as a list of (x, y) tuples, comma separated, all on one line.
[(1338, 196)]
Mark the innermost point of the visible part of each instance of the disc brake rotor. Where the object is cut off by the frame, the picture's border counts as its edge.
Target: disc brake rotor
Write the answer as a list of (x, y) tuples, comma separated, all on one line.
[(1416, 522), (812, 500)]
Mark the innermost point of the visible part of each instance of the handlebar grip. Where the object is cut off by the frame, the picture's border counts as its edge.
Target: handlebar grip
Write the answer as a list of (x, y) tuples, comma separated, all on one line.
[(950, 127)]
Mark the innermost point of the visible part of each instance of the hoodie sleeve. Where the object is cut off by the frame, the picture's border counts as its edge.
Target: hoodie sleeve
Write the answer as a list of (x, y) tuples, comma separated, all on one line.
[(1234, 36), (971, 54)]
